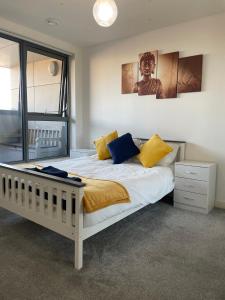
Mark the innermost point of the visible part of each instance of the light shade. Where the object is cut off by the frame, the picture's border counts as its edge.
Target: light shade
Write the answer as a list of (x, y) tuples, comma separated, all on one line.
[(105, 12)]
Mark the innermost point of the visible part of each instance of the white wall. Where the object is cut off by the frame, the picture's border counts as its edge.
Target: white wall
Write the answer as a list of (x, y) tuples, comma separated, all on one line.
[(75, 70), (198, 118)]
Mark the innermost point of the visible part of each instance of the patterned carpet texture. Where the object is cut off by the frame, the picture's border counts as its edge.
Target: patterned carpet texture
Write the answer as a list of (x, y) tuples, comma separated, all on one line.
[(157, 253)]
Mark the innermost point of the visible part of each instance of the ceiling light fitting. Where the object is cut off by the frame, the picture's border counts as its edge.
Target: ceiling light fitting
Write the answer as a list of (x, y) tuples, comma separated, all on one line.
[(105, 12)]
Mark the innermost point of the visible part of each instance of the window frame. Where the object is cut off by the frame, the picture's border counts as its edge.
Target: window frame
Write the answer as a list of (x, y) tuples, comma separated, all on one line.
[(64, 116), (29, 47)]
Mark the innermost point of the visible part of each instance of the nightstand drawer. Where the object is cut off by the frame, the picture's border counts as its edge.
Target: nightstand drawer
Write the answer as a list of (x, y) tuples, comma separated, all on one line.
[(192, 172), (190, 185), (191, 199)]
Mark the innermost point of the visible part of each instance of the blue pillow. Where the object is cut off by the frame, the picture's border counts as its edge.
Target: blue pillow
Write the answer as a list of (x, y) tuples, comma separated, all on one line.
[(122, 148)]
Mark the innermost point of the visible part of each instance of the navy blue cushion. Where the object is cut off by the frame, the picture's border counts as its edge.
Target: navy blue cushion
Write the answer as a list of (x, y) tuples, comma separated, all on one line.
[(122, 148)]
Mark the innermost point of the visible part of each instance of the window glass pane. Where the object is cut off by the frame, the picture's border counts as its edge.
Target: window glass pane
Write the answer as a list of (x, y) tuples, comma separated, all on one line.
[(10, 109), (46, 139), (43, 83)]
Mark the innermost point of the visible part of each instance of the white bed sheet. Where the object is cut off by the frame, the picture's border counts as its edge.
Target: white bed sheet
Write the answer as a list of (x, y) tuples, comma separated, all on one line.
[(144, 185)]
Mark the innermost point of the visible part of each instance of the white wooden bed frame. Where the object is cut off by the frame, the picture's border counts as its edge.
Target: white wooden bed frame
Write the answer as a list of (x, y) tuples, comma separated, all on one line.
[(24, 192)]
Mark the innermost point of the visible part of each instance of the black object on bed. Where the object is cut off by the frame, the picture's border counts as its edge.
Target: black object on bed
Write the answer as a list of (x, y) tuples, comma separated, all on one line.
[(55, 172), (51, 171)]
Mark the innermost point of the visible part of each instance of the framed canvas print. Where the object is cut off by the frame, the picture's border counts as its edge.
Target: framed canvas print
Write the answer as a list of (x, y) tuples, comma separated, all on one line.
[(190, 74), (129, 77), (167, 74), (147, 83)]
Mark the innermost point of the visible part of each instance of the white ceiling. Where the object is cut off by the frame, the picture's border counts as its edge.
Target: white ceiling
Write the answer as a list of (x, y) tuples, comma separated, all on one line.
[(78, 27)]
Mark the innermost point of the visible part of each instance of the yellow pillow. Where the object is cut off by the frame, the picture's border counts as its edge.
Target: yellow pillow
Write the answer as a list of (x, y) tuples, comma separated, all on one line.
[(101, 145), (153, 151)]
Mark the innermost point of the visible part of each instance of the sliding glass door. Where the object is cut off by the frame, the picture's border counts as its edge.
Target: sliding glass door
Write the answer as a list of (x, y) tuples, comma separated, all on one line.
[(33, 102)]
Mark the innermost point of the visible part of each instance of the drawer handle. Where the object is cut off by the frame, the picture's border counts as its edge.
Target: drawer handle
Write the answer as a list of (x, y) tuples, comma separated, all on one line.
[(191, 173), (186, 198)]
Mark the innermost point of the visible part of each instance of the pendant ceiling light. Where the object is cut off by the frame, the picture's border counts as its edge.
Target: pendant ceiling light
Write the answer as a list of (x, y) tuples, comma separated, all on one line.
[(105, 12)]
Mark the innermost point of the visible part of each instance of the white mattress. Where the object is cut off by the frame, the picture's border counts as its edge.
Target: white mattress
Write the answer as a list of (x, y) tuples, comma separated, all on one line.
[(144, 185)]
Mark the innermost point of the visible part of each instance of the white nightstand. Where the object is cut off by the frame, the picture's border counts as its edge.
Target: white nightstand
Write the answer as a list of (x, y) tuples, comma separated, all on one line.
[(75, 153), (195, 185)]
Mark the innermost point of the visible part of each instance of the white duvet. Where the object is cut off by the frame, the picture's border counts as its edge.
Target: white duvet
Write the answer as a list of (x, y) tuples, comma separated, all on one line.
[(144, 185)]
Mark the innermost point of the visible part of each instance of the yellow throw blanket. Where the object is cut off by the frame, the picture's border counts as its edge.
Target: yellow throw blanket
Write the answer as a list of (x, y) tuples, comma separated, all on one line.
[(100, 193)]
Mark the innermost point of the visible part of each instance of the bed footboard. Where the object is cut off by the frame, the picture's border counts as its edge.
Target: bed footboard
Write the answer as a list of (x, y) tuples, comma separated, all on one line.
[(50, 201)]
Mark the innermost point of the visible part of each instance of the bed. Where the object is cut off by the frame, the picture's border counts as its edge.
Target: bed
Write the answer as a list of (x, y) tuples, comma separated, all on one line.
[(24, 192)]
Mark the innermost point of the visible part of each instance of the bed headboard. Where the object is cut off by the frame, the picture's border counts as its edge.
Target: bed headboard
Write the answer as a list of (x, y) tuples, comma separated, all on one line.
[(181, 144)]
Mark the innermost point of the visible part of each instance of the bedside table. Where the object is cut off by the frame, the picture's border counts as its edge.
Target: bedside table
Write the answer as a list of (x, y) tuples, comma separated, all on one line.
[(195, 184), (75, 153)]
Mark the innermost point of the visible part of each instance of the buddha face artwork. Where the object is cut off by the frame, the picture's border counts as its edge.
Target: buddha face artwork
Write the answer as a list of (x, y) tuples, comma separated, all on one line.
[(147, 83), (162, 75), (147, 63), (140, 77)]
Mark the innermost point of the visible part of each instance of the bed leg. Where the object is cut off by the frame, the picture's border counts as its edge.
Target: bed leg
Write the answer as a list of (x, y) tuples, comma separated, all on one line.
[(78, 254), (79, 229)]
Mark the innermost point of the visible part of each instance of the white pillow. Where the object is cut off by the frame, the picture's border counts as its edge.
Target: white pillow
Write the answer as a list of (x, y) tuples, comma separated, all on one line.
[(169, 158), (165, 161), (137, 142)]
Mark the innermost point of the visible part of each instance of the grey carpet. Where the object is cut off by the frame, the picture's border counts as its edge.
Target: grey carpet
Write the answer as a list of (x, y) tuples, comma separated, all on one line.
[(158, 253)]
